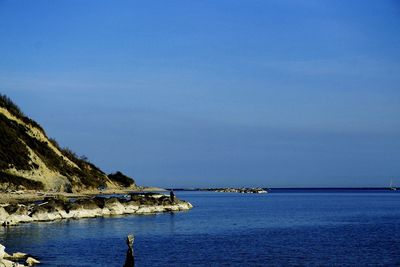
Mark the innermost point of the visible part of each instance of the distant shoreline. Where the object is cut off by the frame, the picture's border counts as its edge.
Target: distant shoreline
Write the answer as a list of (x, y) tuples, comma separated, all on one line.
[(281, 189)]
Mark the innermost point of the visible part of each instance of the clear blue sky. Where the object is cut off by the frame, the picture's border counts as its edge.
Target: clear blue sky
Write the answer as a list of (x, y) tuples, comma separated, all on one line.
[(213, 92)]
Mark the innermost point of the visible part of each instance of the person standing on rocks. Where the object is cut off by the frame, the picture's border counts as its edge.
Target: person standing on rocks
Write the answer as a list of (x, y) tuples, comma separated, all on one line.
[(172, 196)]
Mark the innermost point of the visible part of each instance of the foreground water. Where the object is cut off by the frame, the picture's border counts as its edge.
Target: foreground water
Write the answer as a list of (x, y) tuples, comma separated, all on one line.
[(228, 229)]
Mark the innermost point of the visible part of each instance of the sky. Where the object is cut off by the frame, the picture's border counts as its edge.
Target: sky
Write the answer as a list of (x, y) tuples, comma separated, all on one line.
[(209, 93)]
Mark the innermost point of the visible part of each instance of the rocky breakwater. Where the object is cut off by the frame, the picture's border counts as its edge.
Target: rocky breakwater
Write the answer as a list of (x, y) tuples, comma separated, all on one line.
[(53, 208)]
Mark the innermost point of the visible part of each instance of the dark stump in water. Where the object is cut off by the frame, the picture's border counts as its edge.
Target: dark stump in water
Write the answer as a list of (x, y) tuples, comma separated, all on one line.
[(130, 256)]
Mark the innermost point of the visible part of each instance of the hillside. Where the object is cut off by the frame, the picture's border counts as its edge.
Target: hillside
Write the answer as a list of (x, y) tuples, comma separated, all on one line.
[(31, 160)]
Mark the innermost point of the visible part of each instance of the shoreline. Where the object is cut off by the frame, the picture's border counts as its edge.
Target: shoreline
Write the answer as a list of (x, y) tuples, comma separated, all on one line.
[(59, 207)]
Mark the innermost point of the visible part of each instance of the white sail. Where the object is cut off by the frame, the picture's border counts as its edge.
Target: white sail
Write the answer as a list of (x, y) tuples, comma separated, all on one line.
[(391, 185)]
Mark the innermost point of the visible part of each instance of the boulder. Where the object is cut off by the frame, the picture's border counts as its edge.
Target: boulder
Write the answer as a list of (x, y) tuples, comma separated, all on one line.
[(131, 207), (18, 256), (115, 207), (2, 252), (8, 263), (5, 258), (3, 215), (31, 261), (144, 209)]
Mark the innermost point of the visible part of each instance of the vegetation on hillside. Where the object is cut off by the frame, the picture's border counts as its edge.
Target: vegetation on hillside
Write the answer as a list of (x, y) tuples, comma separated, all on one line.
[(8, 104), (13, 182), (14, 153), (121, 179)]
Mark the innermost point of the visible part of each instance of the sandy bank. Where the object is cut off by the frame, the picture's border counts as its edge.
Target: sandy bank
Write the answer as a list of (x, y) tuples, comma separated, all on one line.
[(33, 195)]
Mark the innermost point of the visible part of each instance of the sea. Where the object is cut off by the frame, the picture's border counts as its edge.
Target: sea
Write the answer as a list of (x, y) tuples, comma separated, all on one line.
[(336, 227)]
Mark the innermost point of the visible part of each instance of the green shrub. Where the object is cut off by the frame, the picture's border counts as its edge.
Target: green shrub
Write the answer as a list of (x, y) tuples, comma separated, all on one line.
[(121, 179)]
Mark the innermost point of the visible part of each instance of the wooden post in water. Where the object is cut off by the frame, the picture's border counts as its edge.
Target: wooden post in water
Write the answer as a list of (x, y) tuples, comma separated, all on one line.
[(130, 256)]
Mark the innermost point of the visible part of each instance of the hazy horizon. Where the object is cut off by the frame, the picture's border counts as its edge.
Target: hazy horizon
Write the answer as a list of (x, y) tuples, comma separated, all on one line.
[(213, 93)]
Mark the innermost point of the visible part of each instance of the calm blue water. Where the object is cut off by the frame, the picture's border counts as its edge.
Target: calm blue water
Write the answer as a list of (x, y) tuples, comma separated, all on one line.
[(226, 229)]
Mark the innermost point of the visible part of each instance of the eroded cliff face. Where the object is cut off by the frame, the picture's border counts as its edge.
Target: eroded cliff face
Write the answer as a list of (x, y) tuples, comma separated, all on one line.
[(31, 160)]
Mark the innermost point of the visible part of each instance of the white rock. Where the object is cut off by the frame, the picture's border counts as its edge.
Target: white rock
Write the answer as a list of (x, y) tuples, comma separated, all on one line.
[(173, 207), (157, 195), (129, 209), (88, 213), (115, 208), (2, 252), (65, 215), (7, 263), (144, 209), (18, 255), (46, 216), (105, 212), (19, 218), (31, 261), (3, 214), (158, 209)]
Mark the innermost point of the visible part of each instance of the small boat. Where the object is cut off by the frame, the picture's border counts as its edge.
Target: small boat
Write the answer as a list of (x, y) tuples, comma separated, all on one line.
[(391, 187)]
